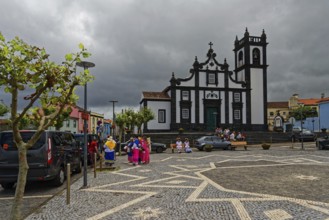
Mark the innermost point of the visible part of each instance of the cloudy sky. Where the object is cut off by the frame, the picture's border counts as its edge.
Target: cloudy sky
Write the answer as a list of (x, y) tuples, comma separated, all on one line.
[(137, 44)]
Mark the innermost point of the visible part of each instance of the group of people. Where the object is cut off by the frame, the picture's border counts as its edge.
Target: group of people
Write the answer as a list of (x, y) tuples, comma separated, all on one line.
[(138, 150), (228, 135), (183, 146)]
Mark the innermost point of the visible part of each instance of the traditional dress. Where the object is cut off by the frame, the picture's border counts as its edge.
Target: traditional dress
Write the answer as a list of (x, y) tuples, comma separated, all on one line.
[(135, 150), (146, 152), (130, 151), (109, 151)]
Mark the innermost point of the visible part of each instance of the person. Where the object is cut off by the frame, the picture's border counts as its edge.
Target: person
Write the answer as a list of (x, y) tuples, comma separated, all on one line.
[(109, 151), (146, 150), (187, 146), (232, 136), (135, 151), (129, 149), (179, 145), (92, 149)]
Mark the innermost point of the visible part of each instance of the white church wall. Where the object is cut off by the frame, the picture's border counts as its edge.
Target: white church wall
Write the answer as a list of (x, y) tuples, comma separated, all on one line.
[(257, 105), (230, 100), (155, 106), (244, 110), (193, 106), (178, 96), (222, 110), (201, 113), (188, 83)]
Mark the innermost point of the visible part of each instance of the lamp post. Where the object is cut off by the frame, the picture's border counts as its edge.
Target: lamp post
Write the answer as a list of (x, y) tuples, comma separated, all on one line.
[(85, 65), (301, 105), (113, 102)]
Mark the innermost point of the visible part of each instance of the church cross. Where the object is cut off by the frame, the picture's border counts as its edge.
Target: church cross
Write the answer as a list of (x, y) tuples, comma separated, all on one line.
[(210, 44)]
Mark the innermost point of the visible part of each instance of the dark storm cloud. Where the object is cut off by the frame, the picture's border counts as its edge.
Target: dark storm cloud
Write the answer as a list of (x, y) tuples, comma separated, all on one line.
[(137, 44)]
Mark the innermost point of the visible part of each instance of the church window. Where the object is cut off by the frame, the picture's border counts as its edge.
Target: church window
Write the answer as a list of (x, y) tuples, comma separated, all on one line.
[(212, 78), (185, 113), (256, 56), (240, 59), (185, 95), (162, 116), (237, 97), (237, 114)]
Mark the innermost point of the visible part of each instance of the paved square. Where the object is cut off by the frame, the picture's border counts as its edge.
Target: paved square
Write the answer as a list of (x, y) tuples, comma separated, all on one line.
[(280, 183)]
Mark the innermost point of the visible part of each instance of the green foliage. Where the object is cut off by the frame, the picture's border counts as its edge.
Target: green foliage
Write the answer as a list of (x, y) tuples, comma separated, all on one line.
[(304, 111), (3, 109)]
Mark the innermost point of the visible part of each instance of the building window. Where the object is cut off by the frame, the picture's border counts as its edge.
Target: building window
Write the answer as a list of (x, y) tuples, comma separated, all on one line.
[(211, 78), (237, 114), (185, 95), (75, 123), (256, 56), (162, 116), (185, 113), (271, 113), (237, 97), (240, 59), (68, 123)]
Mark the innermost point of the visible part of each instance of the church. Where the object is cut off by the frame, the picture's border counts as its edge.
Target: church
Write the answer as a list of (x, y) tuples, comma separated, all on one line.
[(214, 96)]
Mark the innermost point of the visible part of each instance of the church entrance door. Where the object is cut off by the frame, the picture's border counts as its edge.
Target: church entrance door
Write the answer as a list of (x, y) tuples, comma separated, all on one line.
[(211, 118)]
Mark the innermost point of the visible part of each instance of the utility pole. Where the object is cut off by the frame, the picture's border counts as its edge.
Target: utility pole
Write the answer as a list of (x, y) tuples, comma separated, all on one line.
[(113, 118)]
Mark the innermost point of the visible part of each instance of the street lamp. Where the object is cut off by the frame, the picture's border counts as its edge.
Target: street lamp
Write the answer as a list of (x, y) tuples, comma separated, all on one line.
[(85, 65), (113, 118), (301, 105)]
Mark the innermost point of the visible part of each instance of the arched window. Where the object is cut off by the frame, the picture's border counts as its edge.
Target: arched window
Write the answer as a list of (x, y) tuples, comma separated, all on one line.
[(240, 59), (256, 56)]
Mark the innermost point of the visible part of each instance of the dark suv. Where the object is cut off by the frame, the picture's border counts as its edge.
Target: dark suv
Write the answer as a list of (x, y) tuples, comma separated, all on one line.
[(81, 140), (47, 159)]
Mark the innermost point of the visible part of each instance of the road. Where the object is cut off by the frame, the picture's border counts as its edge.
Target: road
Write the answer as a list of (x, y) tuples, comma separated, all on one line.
[(36, 193)]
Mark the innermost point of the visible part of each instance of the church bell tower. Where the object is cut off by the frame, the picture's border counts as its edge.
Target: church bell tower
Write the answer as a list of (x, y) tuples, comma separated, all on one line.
[(251, 67)]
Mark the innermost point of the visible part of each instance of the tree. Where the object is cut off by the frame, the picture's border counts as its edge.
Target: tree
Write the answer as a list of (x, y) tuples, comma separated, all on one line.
[(142, 117), (50, 87), (305, 111), (120, 121)]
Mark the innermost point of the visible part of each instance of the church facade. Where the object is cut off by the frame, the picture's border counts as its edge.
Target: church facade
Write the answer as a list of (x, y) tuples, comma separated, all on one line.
[(214, 96)]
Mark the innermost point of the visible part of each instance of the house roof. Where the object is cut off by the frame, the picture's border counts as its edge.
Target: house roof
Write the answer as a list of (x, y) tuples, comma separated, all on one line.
[(277, 105), (311, 101), (324, 100), (156, 95)]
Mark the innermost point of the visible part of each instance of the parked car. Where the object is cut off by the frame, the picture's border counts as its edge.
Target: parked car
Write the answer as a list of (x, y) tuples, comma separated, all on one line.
[(155, 147), (81, 141), (304, 134), (217, 142), (323, 144), (47, 158)]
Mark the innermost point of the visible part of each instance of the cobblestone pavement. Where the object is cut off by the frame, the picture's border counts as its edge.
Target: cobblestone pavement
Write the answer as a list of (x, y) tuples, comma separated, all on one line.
[(280, 183)]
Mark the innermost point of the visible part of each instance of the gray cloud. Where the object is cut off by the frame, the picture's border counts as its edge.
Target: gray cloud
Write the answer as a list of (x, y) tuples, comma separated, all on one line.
[(136, 45)]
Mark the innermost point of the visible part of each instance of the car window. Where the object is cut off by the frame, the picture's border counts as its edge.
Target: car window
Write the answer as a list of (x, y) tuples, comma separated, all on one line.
[(207, 139), (216, 139), (7, 140)]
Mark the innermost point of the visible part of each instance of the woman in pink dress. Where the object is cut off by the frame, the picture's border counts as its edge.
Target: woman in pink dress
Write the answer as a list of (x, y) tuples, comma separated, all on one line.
[(146, 151)]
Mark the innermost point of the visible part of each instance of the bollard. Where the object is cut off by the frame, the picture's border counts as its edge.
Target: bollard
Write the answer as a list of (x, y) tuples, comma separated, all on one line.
[(101, 162), (68, 182), (95, 160)]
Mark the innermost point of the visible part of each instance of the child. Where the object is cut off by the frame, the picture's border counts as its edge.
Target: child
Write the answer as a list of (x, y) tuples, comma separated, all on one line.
[(187, 146), (179, 145)]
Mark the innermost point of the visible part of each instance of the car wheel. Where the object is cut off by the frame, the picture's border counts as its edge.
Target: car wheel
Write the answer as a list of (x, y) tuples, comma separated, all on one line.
[(159, 150), (60, 177), (7, 185)]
